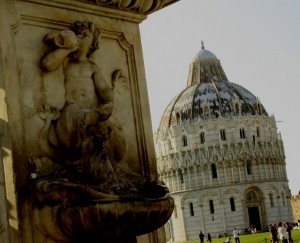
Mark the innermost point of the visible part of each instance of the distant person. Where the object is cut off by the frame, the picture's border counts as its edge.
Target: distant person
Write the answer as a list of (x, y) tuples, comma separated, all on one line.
[(289, 232), (201, 236), (282, 233), (228, 240), (209, 240), (236, 235), (274, 233)]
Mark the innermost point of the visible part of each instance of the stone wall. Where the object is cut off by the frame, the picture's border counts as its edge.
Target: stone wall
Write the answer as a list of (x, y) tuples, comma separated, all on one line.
[(75, 121), (295, 202)]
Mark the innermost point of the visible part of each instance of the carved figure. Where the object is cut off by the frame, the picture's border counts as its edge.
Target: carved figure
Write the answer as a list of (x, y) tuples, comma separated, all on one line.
[(89, 99), (80, 136)]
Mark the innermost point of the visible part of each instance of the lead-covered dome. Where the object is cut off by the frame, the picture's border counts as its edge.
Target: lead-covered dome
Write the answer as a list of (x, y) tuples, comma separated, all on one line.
[(204, 54), (209, 94)]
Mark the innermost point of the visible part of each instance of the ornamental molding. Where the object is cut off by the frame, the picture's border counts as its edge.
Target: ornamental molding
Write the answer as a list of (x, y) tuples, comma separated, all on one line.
[(131, 10), (201, 157), (138, 6)]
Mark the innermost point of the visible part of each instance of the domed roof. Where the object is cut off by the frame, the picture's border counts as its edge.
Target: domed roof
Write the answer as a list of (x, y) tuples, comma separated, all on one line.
[(204, 54), (209, 95)]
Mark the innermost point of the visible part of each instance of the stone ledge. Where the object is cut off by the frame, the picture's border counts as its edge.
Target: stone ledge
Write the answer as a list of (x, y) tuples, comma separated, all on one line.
[(143, 7)]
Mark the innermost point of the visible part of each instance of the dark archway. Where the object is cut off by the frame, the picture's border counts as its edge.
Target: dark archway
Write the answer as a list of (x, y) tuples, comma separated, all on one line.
[(255, 207), (254, 217)]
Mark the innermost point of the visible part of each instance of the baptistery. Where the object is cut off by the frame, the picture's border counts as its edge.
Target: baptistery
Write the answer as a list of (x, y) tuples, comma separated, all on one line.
[(221, 155)]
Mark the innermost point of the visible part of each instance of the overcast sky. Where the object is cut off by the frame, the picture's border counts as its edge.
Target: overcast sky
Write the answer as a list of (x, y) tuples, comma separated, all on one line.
[(258, 44)]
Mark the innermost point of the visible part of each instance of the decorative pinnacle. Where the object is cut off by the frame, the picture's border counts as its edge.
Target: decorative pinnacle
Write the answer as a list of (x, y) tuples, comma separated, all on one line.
[(202, 43)]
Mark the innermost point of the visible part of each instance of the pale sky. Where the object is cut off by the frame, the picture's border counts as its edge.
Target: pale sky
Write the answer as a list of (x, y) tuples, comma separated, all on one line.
[(258, 44)]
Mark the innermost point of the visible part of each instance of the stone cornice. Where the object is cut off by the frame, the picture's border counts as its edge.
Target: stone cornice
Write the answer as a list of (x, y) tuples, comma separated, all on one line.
[(138, 6), (129, 10)]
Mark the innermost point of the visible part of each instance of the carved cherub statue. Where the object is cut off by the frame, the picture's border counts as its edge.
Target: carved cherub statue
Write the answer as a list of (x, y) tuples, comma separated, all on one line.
[(81, 134), (88, 98)]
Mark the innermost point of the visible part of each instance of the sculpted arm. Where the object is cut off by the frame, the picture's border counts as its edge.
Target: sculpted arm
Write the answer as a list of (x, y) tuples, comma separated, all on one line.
[(105, 94), (54, 59), (106, 100)]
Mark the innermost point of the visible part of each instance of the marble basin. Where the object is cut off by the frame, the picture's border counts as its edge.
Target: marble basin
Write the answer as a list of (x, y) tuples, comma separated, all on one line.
[(96, 221)]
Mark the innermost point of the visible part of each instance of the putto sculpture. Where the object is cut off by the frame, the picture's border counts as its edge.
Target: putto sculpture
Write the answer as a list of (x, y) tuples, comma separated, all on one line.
[(82, 182)]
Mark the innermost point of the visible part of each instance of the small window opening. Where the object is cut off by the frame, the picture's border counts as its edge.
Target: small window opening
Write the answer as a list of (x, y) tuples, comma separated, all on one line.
[(232, 204), (202, 137), (214, 171), (258, 132), (242, 133), (181, 177), (223, 135), (177, 118), (211, 206), (249, 169), (191, 209), (184, 141)]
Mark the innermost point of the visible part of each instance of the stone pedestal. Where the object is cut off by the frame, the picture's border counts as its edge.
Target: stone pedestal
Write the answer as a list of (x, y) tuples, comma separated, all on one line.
[(77, 157)]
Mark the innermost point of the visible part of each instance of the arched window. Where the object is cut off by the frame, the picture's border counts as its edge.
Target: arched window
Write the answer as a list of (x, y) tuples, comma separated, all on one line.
[(191, 209), (258, 132), (211, 206), (202, 137), (251, 196), (184, 141), (283, 199), (232, 204), (242, 133), (271, 200), (214, 171), (177, 118), (181, 177), (223, 135), (249, 169)]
